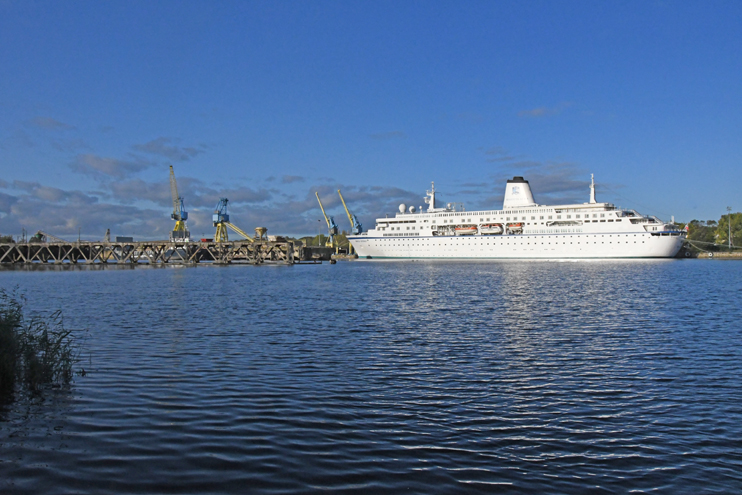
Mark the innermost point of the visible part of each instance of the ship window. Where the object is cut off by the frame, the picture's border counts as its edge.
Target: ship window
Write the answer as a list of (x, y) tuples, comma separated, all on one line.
[(533, 218), (541, 217), (577, 216), (602, 215), (569, 216), (595, 215), (558, 217), (523, 218), (549, 217)]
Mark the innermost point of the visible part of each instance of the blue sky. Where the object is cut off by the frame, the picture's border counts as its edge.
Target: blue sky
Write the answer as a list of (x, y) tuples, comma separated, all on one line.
[(267, 102)]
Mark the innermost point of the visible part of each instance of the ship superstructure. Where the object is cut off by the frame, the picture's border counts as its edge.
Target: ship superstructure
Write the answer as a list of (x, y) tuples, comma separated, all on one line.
[(521, 229)]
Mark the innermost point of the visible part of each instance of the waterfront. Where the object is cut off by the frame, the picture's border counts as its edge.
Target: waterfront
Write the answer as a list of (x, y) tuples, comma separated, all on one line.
[(383, 377)]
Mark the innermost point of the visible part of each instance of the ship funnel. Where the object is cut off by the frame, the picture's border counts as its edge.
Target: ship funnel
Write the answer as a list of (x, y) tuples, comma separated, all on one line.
[(518, 193), (592, 189)]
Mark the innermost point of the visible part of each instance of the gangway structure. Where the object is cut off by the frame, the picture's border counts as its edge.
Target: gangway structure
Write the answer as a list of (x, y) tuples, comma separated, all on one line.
[(180, 215), (331, 227)]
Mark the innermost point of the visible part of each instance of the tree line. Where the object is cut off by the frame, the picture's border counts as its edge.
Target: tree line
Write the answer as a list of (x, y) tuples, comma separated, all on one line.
[(713, 235)]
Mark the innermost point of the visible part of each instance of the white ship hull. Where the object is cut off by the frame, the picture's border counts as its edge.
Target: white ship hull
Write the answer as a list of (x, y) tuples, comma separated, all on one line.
[(532, 231), (565, 246)]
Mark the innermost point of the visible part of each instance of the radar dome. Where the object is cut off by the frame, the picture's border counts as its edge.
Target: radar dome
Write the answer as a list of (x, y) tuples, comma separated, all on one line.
[(402, 208), (411, 209)]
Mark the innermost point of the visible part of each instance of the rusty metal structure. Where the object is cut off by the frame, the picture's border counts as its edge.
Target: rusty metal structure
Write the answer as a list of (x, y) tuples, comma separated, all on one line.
[(256, 252), (44, 248)]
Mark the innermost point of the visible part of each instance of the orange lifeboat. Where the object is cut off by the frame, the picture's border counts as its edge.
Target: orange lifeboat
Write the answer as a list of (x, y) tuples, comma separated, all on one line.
[(515, 228), (466, 230)]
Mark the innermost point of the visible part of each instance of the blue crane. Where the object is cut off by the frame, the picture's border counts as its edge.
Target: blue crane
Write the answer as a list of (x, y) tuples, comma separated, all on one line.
[(221, 222)]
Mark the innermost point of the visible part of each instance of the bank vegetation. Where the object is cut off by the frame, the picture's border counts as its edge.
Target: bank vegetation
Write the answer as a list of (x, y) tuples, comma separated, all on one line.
[(713, 235), (36, 352)]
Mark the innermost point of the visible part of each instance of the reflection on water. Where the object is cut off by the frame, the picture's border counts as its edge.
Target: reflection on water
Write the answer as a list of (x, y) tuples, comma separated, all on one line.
[(372, 377)]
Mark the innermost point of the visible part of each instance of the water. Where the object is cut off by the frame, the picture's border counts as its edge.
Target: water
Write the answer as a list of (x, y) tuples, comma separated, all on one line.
[(389, 377)]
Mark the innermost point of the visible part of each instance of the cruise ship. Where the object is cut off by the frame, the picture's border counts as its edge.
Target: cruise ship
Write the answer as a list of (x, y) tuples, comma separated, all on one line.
[(522, 229)]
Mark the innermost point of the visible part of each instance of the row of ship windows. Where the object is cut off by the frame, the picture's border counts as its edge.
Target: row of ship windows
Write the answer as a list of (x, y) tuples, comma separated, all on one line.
[(541, 217), (547, 237), (534, 231), (492, 219), (528, 243), (469, 220), (498, 212), (521, 243)]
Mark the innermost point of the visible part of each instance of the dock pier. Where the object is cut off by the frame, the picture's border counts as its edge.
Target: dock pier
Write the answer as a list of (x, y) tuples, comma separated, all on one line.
[(163, 252)]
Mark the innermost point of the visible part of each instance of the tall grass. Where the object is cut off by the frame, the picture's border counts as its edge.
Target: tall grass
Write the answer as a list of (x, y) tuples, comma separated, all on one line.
[(35, 352)]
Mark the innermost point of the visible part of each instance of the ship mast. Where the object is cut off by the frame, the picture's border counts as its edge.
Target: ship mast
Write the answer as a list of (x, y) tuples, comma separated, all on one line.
[(430, 199)]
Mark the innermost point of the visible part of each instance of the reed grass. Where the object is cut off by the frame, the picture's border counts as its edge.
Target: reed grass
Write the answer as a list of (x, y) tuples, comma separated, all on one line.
[(35, 352)]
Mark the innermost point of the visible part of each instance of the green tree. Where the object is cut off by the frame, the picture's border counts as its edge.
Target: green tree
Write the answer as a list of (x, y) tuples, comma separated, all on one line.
[(700, 231), (722, 230)]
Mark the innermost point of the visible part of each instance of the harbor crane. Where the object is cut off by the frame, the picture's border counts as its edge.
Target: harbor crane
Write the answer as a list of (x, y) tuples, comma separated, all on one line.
[(221, 222), (331, 226), (44, 237), (180, 215), (355, 226)]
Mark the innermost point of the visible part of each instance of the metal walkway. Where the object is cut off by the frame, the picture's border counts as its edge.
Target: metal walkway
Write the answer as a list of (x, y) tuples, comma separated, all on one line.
[(162, 252)]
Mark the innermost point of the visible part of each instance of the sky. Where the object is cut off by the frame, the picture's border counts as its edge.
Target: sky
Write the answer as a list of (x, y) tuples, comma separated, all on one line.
[(266, 103)]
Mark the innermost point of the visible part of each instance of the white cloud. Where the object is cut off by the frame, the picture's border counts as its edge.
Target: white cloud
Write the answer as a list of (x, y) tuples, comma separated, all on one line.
[(103, 167)]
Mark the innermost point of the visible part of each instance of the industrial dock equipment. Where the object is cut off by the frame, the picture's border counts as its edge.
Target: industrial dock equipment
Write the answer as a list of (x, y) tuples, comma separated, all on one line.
[(221, 222), (180, 215), (355, 226), (331, 227)]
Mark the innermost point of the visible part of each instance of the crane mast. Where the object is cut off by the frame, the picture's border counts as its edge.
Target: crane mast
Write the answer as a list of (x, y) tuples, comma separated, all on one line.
[(331, 226), (180, 215), (355, 226)]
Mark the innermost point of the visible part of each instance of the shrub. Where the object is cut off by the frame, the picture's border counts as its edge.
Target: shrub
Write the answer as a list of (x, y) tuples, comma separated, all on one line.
[(35, 352)]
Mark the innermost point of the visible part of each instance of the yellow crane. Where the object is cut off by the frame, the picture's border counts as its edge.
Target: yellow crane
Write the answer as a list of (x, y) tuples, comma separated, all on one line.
[(180, 215), (221, 222), (331, 226)]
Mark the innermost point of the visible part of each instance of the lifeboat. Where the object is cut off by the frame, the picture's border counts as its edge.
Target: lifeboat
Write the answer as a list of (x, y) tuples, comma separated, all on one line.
[(490, 228), (466, 230), (515, 228)]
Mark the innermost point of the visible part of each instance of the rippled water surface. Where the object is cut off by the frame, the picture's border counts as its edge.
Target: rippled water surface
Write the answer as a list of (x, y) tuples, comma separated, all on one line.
[(389, 377)]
